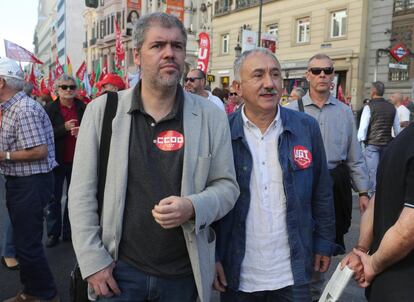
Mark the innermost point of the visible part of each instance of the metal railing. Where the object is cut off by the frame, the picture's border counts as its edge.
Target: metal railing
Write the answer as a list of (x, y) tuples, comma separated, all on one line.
[(221, 7), (246, 3), (401, 6)]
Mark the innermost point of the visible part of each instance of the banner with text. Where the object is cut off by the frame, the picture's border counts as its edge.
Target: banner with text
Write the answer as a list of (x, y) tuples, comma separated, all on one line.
[(176, 8), (203, 52)]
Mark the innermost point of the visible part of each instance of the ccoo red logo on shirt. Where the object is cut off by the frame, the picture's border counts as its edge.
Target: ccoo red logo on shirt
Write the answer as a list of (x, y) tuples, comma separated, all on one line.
[(169, 140), (302, 157)]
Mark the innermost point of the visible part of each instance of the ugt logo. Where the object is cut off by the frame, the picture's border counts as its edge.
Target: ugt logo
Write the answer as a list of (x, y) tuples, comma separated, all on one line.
[(302, 156)]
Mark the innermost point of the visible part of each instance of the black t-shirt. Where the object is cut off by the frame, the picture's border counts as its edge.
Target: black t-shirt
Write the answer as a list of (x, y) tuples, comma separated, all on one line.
[(154, 172), (395, 190)]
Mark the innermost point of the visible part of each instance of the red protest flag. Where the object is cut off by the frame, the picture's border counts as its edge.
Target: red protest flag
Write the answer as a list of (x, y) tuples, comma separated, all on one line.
[(119, 48), (59, 69), (81, 71), (33, 80), (18, 53)]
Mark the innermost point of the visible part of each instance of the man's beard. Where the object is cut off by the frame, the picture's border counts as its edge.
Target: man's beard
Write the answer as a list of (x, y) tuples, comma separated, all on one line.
[(162, 81)]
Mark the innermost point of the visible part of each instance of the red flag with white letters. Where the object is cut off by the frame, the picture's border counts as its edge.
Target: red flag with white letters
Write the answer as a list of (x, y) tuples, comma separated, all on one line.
[(18, 53), (203, 52)]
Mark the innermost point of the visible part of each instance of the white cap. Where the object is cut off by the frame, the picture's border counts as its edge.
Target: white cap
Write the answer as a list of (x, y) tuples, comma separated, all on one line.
[(11, 69)]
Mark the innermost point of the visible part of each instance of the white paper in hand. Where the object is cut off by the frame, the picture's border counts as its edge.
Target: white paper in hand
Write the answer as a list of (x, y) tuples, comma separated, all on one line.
[(336, 284)]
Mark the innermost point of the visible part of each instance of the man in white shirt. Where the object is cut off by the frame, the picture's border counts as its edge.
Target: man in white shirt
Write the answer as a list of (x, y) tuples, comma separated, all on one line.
[(195, 83), (402, 111)]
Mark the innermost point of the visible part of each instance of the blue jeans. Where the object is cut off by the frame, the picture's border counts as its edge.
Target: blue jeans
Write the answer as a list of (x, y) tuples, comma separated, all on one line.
[(8, 249), (55, 225), (26, 198), (138, 286), (287, 294), (372, 156)]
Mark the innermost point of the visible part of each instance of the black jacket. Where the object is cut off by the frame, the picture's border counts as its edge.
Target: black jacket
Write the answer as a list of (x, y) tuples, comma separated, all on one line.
[(59, 130)]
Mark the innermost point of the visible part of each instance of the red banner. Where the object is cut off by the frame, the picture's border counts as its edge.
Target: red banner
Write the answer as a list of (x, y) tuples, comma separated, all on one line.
[(176, 8), (18, 53), (59, 69), (119, 48), (203, 52), (81, 71)]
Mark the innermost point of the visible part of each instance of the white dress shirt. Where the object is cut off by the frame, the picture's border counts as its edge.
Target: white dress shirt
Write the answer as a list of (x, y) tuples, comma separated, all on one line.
[(266, 264), (364, 124), (216, 100)]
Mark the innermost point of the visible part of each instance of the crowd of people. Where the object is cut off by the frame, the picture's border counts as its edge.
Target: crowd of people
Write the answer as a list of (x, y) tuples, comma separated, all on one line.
[(226, 189)]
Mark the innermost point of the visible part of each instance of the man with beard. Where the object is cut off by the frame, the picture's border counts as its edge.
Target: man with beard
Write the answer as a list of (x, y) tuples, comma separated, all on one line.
[(172, 175)]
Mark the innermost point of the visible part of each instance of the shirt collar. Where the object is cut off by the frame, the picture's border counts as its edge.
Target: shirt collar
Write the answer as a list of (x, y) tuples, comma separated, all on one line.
[(247, 123), (138, 106), (307, 101), (17, 97)]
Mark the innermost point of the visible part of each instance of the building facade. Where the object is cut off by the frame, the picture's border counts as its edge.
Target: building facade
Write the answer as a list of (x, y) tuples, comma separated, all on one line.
[(300, 30), (99, 29)]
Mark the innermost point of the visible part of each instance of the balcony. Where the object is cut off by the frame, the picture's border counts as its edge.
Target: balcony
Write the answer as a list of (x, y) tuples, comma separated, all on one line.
[(221, 8), (240, 4), (403, 7), (85, 44), (92, 41)]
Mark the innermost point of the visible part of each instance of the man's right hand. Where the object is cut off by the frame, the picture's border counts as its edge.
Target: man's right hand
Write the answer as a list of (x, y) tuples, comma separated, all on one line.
[(220, 282), (354, 263), (70, 124), (103, 283)]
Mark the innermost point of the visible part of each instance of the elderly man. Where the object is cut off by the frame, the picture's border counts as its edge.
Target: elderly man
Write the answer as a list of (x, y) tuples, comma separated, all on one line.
[(344, 154), (65, 113), (296, 94), (172, 176), (377, 120), (195, 81), (402, 111), (282, 227), (387, 227), (111, 82), (27, 158)]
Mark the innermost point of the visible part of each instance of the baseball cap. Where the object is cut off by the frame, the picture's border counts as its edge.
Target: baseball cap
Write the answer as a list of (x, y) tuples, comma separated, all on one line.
[(113, 79), (10, 68)]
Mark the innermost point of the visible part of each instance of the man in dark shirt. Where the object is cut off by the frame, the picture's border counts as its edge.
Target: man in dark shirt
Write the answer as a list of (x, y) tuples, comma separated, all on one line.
[(387, 227), (170, 176)]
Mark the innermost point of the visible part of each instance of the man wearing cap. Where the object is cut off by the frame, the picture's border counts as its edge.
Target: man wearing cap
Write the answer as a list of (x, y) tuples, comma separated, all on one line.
[(170, 176), (27, 158), (195, 83), (111, 82), (65, 113)]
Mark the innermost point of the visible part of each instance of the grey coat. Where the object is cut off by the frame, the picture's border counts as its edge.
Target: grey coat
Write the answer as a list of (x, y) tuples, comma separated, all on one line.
[(208, 180)]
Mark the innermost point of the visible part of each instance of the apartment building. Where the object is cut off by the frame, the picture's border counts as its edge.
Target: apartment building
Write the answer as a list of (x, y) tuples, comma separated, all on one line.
[(299, 29)]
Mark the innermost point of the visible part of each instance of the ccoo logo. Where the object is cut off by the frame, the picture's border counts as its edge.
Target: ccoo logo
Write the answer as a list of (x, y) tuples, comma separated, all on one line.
[(169, 140), (302, 157)]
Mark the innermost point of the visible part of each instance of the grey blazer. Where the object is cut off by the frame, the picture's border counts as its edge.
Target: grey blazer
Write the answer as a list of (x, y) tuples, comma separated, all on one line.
[(208, 180)]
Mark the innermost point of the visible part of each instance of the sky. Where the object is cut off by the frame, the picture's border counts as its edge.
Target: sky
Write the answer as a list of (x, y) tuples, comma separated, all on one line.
[(18, 19)]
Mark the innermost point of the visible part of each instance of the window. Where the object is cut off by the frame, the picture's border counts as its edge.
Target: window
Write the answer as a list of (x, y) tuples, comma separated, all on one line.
[(225, 44), (112, 23), (399, 71), (338, 24), (302, 30), (61, 36), (273, 29)]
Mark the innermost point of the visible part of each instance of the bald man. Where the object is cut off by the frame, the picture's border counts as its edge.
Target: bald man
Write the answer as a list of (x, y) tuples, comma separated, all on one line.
[(402, 111)]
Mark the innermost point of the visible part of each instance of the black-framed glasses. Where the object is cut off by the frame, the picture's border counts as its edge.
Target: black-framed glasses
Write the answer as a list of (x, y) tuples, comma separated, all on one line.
[(318, 70), (232, 93), (65, 87), (191, 79)]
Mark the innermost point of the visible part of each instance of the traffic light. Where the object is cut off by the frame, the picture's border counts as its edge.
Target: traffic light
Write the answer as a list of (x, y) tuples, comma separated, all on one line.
[(91, 3)]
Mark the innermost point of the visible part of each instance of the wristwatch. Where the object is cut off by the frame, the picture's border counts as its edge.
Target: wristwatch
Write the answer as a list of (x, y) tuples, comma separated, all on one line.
[(7, 156), (363, 194)]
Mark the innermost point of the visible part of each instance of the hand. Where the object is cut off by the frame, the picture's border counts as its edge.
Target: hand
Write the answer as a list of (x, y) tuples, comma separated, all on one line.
[(103, 283), (369, 268), (220, 282), (322, 263), (173, 211), (363, 204), (404, 124), (354, 263), (74, 131), (70, 124)]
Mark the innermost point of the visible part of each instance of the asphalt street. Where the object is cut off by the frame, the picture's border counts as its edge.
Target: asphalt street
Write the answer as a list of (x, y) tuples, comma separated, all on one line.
[(61, 259)]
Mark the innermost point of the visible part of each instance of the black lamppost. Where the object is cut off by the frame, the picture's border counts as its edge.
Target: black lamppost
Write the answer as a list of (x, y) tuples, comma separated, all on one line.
[(237, 50), (260, 22)]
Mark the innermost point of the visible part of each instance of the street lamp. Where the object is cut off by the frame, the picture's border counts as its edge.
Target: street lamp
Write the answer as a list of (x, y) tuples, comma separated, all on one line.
[(237, 50), (260, 22)]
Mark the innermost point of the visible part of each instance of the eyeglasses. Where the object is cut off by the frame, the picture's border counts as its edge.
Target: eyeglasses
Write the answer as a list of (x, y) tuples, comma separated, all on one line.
[(318, 70), (65, 87), (191, 79), (232, 93)]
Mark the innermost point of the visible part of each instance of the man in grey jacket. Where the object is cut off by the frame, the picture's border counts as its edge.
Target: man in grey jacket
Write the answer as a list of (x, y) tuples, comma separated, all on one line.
[(170, 175)]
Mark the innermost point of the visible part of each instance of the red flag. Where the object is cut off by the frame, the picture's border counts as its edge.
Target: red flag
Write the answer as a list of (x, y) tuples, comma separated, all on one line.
[(92, 79), (340, 95), (119, 48), (33, 80), (81, 71), (104, 70), (203, 51), (16, 52), (59, 69)]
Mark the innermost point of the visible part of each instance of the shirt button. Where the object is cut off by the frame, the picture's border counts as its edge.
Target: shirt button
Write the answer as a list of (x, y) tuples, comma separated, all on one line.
[(263, 163), (152, 124), (262, 138), (154, 141), (265, 188)]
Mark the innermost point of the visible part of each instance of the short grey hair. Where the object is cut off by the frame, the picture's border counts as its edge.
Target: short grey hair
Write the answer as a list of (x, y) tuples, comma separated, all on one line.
[(28, 88), (379, 88), (64, 78), (238, 63), (320, 56), (300, 91), (163, 19), (13, 83)]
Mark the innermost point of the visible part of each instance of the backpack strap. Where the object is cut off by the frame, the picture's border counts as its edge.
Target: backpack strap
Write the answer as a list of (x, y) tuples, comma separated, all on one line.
[(300, 105), (106, 133)]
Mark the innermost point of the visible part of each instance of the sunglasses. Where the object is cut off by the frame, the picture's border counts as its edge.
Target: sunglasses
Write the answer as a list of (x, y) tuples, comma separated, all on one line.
[(191, 79), (65, 87), (232, 94), (318, 70)]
